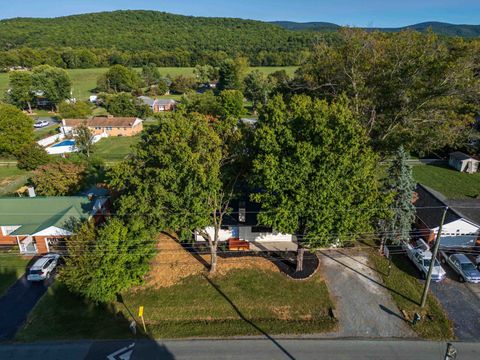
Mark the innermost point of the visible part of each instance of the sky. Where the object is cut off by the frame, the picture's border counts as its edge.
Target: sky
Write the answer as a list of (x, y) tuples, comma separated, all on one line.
[(371, 13)]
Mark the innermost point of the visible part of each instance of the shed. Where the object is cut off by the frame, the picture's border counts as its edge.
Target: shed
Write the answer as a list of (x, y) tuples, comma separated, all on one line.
[(463, 162)]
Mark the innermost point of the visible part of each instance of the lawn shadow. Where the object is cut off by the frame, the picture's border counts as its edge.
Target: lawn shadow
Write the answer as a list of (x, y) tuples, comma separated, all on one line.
[(188, 248), (240, 314), (368, 277)]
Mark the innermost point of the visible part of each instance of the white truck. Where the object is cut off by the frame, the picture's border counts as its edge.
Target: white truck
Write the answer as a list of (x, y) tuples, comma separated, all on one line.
[(419, 253)]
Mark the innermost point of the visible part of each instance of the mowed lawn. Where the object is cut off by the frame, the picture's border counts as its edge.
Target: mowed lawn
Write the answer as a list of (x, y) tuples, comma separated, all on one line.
[(85, 80), (243, 302), (11, 178), (451, 183), (113, 149), (406, 290), (12, 266)]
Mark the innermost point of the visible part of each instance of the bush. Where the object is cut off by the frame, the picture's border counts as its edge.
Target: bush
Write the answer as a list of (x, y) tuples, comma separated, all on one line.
[(79, 110), (58, 178), (31, 157)]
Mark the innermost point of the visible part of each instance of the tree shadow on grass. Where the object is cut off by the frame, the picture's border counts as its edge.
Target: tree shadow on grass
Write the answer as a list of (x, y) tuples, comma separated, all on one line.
[(368, 277), (188, 248), (240, 314)]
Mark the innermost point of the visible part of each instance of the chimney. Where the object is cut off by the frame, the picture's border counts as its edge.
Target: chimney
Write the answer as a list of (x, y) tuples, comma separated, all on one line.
[(242, 212), (31, 191)]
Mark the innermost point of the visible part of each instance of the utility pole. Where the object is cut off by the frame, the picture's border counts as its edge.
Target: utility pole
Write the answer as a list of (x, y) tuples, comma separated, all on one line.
[(434, 256)]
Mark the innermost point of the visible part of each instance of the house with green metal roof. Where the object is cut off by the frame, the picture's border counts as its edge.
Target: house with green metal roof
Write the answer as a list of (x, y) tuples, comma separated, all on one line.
[(37, 223)]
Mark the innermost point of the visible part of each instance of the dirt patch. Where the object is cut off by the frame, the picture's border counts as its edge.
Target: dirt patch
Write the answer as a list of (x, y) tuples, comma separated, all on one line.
[(282, 312), (173, 263)]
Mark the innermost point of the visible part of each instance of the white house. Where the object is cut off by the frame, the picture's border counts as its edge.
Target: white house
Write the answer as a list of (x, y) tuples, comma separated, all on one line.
[(461, 227), (241, 231)]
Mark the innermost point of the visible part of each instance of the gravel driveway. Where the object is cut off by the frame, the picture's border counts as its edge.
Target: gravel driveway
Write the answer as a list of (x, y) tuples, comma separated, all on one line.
[(462, 303), (363, 305)]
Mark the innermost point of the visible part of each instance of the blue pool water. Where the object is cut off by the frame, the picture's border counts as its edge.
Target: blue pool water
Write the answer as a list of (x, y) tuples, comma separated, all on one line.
[(65, 143)]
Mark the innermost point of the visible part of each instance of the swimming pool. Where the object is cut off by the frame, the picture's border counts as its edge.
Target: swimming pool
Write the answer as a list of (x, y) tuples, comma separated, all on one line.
[(65, 143)]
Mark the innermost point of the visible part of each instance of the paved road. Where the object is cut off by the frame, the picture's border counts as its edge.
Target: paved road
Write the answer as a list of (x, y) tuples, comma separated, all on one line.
[(16, 304), (233, 349), (364, 306), (462, 303)]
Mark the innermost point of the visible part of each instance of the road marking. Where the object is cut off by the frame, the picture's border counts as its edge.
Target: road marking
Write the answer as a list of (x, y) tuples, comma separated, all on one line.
[(122, 354)]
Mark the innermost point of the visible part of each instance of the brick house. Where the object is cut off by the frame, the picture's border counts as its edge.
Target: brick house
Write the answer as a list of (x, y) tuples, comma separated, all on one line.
[(158, 105), (38, 224), (106, 125)]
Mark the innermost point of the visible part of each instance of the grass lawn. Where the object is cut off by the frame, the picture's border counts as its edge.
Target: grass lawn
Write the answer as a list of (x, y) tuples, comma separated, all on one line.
[(243, 302), (84, 80), (12, 266), (62, 315), (451, 183), (114, 149), (406, 291), (11, 178)]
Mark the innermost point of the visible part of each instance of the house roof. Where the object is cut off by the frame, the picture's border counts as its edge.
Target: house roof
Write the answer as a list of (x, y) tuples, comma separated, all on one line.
[(38, 213), (468, 208), (150, 102), (102, 121), (430, 205), (460, 156)]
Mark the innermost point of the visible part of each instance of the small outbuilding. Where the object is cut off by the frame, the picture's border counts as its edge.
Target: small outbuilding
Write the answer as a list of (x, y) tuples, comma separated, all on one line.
[(463, 162)]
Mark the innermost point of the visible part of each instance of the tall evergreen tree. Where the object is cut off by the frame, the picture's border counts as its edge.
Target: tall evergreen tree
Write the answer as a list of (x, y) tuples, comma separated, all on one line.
[(401, 185)]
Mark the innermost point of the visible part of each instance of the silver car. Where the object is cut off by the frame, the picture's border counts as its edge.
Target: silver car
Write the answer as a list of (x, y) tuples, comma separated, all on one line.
[(43, 267), (464, 267)]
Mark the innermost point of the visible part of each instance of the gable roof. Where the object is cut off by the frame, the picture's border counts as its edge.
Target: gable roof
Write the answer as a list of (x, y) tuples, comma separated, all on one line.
[(457, 155), (430, 205), (150, 102), (102, 121), (38, 213)]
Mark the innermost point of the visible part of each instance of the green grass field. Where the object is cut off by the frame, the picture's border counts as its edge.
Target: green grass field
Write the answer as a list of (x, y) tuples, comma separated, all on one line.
[(451, 183), (406, 291), (11, 178), (12, 266), (113, 149), (243, 302), (84, 80)]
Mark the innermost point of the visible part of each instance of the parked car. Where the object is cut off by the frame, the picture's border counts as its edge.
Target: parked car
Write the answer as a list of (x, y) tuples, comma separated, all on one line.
[(42, 268), (41, 124), (463, 266), (419, 253)]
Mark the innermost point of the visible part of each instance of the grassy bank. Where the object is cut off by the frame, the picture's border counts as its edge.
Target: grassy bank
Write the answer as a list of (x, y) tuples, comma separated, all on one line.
[(406, 291), (113, 149), (12, 266), (243, 302)]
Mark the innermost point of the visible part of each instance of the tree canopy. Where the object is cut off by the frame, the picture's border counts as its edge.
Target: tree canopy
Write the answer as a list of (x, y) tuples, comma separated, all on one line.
[(118, 79), (16, 130), (316, 171), (54, 83)]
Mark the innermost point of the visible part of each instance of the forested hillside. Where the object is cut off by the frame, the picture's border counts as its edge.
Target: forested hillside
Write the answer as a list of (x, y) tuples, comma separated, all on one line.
[(180, 40)]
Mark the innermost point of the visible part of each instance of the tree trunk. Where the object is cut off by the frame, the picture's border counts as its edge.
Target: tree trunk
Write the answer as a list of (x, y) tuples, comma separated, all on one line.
[(29, 107), (300, 252), (213, 258)]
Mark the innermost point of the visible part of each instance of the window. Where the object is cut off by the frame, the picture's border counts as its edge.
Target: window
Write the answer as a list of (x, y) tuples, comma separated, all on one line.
[(261, 229), (242, 211), (47, 264)]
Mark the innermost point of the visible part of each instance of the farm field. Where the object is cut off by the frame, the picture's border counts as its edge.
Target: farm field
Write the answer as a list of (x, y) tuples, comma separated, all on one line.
[(84, 80)]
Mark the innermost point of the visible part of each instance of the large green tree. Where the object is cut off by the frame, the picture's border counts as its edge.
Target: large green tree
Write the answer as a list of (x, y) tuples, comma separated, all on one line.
[(258, 88), (316, 172), (78, 110), (151, 75), (407, 89), (231, 74), (104, 261), (16, 130), (174, 179), (84, 140), (118, 79), (400, 186), (53, 82), (58, 178), (21, 91)]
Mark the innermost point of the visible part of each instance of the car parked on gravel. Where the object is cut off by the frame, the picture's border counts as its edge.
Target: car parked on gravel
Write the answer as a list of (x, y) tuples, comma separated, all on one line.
[(419, 253), (463, 266), (43, 268)]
